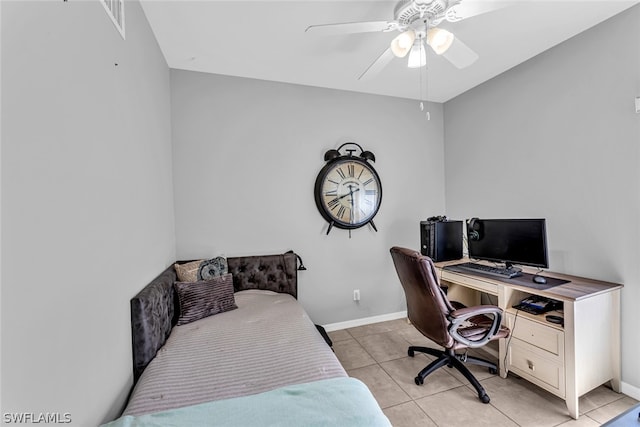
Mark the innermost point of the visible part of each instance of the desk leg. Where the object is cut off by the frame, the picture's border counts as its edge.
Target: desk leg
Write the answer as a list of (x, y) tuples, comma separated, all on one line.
[(571, 380), (503, 343), (616, 345), (502, 367), (572, 406)]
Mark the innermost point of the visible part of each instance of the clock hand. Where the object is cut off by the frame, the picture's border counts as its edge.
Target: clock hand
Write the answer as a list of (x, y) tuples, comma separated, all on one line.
[(351, 193), (348, 194), (351, 200), (351, 216)]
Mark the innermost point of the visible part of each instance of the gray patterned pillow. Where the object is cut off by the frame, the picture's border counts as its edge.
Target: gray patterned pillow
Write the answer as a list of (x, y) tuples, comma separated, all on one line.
[(213, 268), (205, 298), (188, 272)]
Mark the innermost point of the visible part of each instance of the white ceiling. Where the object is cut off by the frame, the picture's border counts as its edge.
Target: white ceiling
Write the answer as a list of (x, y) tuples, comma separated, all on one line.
[(266, 40)]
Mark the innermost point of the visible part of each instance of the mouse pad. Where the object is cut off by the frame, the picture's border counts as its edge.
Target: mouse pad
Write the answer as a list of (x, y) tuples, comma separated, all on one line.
[(527, 280)]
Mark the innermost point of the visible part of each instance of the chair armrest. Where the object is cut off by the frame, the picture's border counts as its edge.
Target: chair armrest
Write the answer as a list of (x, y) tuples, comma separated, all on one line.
[(462, 315), (468, 312)]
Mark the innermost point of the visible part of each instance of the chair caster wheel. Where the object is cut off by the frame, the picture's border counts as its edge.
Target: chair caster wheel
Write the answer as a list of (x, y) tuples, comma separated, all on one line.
[(485, 398), (493, 371), (411, 353), (419, 381)]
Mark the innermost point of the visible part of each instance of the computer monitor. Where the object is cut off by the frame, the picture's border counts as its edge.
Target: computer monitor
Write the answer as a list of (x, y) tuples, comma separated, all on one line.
[(509, 241)]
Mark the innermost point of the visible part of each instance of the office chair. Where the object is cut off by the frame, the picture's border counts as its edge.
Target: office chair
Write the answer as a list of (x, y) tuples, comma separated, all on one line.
[(447, 323)]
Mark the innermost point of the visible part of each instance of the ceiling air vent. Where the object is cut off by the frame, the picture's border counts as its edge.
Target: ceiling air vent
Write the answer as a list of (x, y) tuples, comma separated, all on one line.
[(115, 10)]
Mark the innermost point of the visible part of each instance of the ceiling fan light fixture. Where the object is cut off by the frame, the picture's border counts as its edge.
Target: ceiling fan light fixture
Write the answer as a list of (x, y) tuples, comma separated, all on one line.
[(440, 40), (418, 55), (401, 45)]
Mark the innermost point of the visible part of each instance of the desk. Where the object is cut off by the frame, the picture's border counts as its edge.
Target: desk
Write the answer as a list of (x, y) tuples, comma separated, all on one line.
[(568, 360)]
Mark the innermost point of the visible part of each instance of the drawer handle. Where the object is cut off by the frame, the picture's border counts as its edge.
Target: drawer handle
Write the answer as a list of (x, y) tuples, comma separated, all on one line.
[(531, 365)]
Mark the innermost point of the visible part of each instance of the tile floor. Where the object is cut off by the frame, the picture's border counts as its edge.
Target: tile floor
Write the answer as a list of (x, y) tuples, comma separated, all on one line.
[(377, 355)]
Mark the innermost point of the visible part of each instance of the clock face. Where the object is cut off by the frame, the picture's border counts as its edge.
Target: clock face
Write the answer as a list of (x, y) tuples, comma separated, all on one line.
[(348, 192)]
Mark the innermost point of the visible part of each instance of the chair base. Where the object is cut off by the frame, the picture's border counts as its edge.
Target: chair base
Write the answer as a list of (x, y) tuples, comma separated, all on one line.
[(453, 360)]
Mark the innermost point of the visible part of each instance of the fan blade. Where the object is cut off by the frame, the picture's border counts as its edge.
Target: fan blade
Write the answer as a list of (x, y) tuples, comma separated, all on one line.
[(468, 8), (382, 61), (460, 55), (353, 27)]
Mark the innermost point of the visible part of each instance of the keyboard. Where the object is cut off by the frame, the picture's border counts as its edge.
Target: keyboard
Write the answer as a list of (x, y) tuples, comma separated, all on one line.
[(472, 267)]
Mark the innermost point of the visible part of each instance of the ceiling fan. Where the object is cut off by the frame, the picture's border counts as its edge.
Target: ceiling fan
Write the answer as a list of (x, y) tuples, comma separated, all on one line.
[(417, 21)]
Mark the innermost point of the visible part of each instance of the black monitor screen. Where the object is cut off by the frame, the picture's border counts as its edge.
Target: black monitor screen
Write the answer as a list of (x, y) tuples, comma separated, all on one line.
[(510, 241)]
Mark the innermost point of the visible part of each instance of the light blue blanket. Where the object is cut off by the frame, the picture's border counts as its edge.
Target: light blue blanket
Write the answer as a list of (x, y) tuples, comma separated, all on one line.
[(334, 402)]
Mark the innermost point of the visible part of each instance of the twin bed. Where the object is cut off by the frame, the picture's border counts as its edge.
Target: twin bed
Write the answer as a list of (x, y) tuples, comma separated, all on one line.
[(260, 364)]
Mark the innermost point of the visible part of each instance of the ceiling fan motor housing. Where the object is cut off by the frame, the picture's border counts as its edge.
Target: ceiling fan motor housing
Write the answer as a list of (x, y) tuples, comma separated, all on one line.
[(432, 12)]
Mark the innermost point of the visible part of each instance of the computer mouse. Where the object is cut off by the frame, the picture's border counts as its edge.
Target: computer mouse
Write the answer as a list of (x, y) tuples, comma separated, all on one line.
[(539, 279)]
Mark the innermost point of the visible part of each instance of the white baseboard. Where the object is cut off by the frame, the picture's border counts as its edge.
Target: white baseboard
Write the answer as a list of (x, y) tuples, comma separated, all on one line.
[(364, 321), (630, 390)]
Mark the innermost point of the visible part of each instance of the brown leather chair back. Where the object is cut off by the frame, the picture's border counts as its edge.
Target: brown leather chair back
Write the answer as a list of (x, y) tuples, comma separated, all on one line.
[(427, 305)]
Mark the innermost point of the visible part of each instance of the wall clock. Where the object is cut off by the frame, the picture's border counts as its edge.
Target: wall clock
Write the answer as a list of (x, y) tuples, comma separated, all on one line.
[(348, 190)]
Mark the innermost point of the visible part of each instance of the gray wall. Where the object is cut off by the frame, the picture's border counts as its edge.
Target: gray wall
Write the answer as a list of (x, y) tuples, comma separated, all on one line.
[(246, 155), (87, 209), (87, 206), (557, 137)]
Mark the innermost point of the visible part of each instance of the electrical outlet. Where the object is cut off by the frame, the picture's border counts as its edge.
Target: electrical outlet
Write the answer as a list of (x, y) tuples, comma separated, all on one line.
[(356, 294)]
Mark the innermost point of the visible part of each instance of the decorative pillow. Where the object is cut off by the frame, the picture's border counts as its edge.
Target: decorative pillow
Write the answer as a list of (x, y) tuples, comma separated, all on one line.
[(188, 272), (213, 268), (205, 298)]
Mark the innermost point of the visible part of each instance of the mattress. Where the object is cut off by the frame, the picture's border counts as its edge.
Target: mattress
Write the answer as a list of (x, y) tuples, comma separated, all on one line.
[(267, 343)]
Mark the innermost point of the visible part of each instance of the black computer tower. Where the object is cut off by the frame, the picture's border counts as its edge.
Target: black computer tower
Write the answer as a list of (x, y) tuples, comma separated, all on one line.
[(441, 240)]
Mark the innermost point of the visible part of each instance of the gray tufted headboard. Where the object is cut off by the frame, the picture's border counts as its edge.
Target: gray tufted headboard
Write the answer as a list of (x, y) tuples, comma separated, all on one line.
[(155, 309)]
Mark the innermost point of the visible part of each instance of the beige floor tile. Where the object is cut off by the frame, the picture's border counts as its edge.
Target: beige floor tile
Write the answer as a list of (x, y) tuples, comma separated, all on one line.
[(408, 415), (458, 407), (404, 370), (526, 404), (613, 409), (382, 386), (341, 335), (351, 354), (414, 337), (582, 421), (384, 346), (377, 355), (377, 328), (478, 371), (596, 398)]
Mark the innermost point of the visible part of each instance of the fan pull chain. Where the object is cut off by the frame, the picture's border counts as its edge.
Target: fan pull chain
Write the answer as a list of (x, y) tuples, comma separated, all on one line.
[(426, 84), (420, 77), (428, 115)]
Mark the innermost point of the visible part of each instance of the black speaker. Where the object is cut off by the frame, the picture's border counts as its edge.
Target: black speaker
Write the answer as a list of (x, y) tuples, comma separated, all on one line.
[(441, 240)]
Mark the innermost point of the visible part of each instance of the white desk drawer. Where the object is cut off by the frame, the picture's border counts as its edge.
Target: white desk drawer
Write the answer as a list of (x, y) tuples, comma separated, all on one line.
[(533, 364), (539, 335)]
